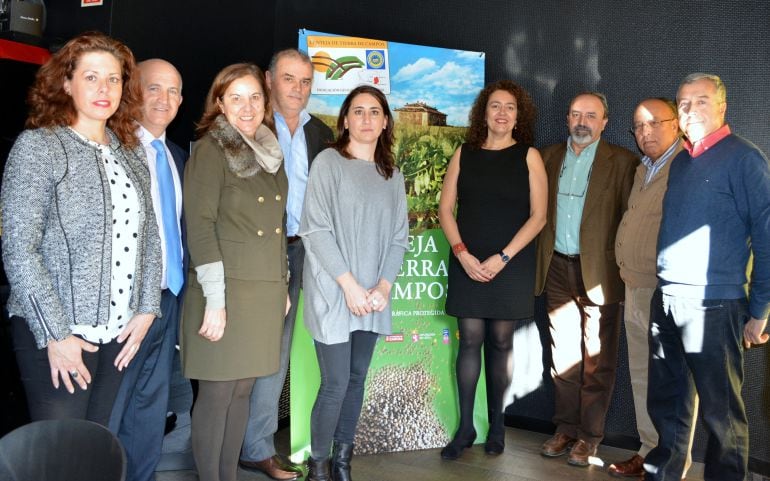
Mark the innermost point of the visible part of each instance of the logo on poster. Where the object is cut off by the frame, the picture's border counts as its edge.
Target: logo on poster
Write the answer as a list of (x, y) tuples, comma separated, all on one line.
[(394, 337), (375, 59)]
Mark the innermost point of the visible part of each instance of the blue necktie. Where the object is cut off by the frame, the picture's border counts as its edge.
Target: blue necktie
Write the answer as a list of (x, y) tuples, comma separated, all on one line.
[(174, 275)]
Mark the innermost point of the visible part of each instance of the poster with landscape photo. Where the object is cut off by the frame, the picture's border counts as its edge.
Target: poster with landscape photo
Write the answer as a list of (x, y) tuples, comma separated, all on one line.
[(411, 399)]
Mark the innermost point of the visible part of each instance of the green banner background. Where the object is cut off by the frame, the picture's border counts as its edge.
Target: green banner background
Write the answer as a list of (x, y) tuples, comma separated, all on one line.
[(411, 395)]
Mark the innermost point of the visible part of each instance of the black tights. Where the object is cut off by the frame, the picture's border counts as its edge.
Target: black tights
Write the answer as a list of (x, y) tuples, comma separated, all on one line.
[(218, 427), (497, 338)]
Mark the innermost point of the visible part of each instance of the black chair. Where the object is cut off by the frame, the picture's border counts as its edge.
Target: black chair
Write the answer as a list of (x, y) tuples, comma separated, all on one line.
[(62, 450)]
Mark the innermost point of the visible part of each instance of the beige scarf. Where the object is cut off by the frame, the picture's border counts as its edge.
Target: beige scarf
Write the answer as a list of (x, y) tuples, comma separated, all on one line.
[(266, 149)]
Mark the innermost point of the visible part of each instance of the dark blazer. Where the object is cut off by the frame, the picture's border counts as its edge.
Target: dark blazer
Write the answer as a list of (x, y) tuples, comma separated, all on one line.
[(317, 137), (612, 177)]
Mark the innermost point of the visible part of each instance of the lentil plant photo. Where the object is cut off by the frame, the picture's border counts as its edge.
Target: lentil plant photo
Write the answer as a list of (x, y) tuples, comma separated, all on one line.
[(422, 154)]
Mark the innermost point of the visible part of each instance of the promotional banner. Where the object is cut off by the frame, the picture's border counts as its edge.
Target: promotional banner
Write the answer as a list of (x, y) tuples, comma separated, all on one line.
[(411, 395)]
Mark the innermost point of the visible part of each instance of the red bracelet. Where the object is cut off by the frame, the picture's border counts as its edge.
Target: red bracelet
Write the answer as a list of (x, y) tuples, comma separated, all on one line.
[(459, 247)]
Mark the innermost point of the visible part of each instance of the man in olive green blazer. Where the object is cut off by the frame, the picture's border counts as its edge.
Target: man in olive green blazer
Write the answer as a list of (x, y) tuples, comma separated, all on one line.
[(589, 181)]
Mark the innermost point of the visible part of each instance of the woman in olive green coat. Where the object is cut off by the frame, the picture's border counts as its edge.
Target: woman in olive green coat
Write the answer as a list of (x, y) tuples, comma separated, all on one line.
[(235, 198)]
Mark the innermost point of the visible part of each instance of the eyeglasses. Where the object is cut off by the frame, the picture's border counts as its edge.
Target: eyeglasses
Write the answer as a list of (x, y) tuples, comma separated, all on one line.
[(566, 187), (652, 124)]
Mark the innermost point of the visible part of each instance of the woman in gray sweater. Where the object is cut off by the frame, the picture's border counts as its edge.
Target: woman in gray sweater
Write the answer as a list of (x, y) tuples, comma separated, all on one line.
[(354, 227), (80, 241)]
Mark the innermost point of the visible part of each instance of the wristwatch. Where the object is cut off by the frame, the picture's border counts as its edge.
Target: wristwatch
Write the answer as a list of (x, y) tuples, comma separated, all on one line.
[(504, 257)]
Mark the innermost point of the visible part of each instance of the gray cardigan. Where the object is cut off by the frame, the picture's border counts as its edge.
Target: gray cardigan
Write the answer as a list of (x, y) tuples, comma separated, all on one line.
[(57, 232), (353, 220)]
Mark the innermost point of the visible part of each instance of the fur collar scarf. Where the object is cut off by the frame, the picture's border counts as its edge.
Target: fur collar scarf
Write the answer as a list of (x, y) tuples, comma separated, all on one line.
[(247, 157)]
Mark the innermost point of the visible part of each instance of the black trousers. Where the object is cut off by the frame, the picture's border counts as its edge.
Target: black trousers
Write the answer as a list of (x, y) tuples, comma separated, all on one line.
[(139, 414), (46, 402), (343, 372)]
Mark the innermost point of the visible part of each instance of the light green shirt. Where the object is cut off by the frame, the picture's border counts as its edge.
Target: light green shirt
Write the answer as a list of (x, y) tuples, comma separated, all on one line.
[(571, 197)]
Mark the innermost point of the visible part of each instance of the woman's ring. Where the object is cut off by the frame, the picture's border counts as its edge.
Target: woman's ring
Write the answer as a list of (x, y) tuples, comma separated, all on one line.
[(74, 374), (375, 302)]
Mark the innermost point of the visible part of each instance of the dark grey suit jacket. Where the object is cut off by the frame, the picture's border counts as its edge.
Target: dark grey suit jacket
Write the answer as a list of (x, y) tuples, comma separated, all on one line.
[(317, 137)]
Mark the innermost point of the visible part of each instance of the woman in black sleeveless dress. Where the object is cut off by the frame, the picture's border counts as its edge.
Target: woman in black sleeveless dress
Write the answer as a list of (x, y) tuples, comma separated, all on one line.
[(498, 183)]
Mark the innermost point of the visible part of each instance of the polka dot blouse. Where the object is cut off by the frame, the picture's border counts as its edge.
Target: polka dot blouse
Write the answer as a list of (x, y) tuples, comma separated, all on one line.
[(125, 225)]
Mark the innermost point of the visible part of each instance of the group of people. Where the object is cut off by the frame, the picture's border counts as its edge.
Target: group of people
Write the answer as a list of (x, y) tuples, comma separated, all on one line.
[(110, 269), (672, 236), (105, 260)]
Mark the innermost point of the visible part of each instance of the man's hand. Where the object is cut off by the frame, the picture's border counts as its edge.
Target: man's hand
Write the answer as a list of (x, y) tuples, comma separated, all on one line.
[(754, 332)]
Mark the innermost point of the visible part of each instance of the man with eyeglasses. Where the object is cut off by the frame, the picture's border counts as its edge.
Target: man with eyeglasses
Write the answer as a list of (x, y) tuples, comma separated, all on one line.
[(589, 183), (716, 212), (656, 129)]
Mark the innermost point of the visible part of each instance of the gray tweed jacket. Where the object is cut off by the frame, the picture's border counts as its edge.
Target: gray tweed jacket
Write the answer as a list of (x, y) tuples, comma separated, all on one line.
[(57, 231)]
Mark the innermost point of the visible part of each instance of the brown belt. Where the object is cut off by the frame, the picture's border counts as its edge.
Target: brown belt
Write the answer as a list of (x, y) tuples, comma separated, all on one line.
[(292, 239), (568, 257)]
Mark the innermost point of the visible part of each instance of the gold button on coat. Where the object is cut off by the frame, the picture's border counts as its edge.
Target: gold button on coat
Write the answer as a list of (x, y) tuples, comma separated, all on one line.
[(277, 230), (260, 233), (260, 199), (278, 197)]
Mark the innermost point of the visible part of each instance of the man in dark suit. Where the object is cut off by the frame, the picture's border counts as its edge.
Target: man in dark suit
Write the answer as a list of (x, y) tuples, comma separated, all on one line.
[(589, 183), (139, 414), (302, 136)]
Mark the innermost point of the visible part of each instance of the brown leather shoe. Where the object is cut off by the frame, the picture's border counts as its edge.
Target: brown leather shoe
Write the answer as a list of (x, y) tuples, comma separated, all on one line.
[(631, 468), (580, 452), (269, 467), (285, 463), (558, 445)]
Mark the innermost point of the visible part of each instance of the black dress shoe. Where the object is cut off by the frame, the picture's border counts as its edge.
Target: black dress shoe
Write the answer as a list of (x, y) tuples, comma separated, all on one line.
[(170, 422), (454, 449), (494, 447)]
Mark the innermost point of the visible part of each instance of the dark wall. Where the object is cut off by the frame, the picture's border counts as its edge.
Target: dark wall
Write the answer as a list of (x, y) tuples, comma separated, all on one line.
[(200, 38), (66, 18)]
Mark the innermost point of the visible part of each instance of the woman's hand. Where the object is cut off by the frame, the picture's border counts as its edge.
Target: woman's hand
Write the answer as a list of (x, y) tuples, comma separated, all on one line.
[(475, 269), (493, 265), (379, 295), (356, 300), (213, 327), (355, 295), (66, 360), (134, 331), (288, 305)]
